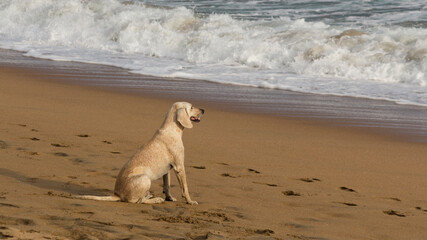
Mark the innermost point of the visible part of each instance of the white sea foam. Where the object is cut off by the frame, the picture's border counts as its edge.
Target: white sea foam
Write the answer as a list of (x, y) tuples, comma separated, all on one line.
[(381, 62)]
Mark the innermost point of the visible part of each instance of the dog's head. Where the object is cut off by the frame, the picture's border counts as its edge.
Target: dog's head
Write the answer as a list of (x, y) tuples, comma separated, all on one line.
[(186, 114)]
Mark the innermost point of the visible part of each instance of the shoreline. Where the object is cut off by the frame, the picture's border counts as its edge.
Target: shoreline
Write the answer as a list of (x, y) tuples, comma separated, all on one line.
[(404, 122), (254, 176)]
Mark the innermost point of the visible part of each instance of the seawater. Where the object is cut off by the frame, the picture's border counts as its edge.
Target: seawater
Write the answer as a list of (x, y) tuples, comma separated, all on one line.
[(372, 49)]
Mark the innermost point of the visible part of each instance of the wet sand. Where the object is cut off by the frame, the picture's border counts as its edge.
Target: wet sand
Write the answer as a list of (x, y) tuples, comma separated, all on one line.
[(401, 121), (254, 176)]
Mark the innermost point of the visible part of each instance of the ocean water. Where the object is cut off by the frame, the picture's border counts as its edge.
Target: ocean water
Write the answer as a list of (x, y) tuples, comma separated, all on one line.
[(373, 49)]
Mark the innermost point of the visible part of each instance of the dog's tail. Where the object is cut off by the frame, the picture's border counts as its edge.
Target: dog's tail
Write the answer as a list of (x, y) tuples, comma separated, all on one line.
[(113, 198)]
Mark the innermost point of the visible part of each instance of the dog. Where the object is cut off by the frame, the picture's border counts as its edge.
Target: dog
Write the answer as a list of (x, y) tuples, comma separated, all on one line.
[(155, 159)]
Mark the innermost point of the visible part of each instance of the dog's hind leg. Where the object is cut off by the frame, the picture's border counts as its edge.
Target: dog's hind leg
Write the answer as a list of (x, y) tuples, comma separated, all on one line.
[(151, 200), (137, 190)]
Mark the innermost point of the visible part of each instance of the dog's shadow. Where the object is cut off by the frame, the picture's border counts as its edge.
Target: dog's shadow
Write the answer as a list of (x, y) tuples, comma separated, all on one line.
[(53, 185)]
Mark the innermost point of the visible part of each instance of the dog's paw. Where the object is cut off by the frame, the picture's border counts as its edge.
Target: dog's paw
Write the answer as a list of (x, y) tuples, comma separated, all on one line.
[(170, 199), (192, 203), (155, 200)]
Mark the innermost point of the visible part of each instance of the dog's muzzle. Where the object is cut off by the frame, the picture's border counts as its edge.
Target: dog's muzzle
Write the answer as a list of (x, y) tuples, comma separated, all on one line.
[(197, 118)]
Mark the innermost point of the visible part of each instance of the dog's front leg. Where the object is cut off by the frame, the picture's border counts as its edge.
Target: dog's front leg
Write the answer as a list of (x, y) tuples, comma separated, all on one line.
[(182, 179), (166, 188)]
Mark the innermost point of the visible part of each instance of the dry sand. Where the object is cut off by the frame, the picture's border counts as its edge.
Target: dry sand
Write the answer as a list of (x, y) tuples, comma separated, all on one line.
[(255, 177)]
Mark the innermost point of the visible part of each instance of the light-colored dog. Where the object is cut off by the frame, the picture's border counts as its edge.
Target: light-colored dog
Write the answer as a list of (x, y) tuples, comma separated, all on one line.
[(165, 151)]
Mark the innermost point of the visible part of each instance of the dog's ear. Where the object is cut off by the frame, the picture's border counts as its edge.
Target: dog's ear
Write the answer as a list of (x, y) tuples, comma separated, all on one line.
[(183, 118)]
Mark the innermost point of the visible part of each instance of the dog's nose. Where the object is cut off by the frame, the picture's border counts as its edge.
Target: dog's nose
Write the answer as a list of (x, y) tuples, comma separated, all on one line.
[(203, 110)]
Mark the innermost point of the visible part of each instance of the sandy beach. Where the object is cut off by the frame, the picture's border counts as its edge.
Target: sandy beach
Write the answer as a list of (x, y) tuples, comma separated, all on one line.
[(254, 176)]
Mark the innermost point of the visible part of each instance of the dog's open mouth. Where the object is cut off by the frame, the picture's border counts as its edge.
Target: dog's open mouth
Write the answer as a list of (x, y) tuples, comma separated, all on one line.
[(195, 119)]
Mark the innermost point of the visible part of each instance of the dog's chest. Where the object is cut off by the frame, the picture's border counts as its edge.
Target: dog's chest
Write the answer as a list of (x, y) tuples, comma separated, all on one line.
[(160, 169)]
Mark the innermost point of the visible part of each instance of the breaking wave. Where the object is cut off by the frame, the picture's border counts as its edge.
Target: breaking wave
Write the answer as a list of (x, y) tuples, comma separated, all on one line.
[(375, 61)]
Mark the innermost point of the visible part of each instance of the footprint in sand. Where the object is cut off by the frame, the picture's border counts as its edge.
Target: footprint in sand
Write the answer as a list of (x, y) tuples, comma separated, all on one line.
[(60, 154), (310, 180), (421, 209), (15, 221), (83, 135), (296, 225), (197, 218), (78, 160), (348, 189), (8, 205), (266, 232), (25, 151), (215, 217), (178, 219), (35, 139), (87, 213), (115, 152), (267, 184), (228, 175), (253, 170), (14, 233), (348, 204), (5, 235), (394, 213), (59, 145), (199, 167), (291, 193), (107, 142), (54, 194)]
